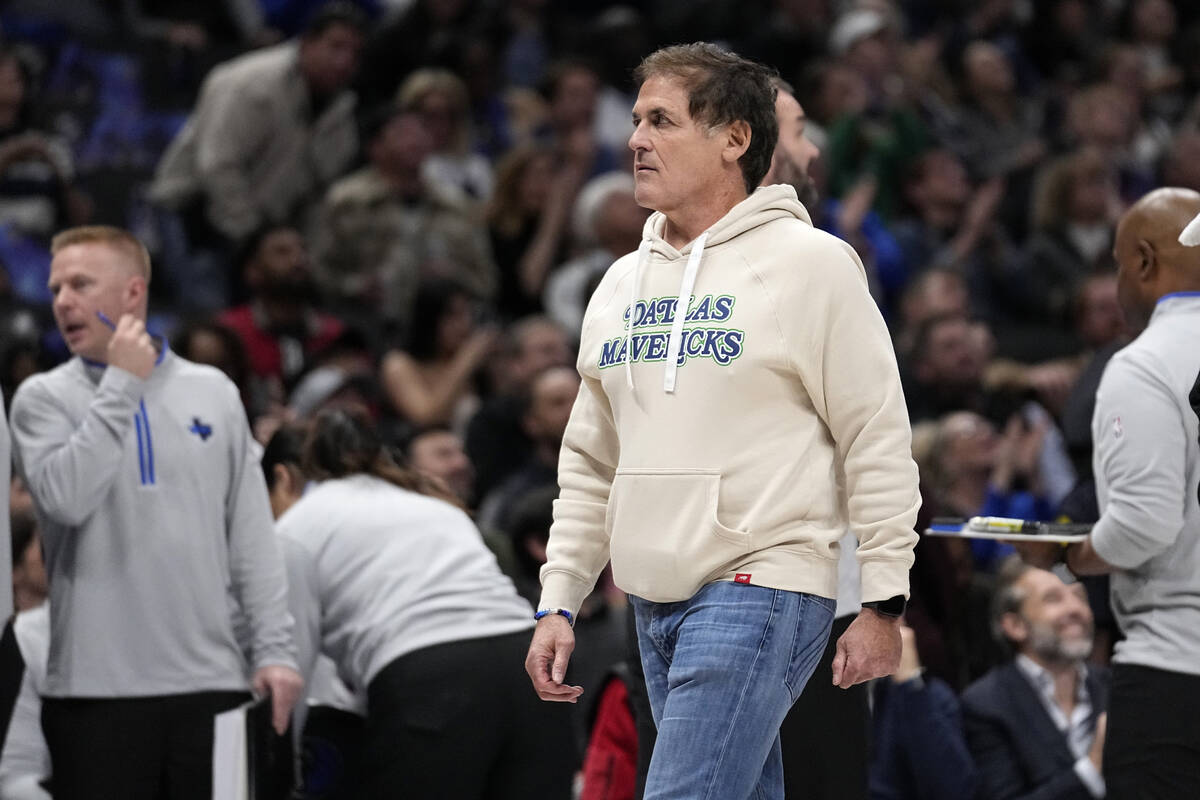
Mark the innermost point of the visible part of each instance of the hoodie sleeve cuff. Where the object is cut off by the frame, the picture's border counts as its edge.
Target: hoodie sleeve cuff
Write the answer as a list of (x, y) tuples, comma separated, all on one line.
[(563, 590), (884, 578)]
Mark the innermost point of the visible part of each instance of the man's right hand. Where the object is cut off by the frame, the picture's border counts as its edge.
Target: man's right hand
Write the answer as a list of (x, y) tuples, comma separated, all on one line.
[(549, 653), (870, 648), (131, 348)]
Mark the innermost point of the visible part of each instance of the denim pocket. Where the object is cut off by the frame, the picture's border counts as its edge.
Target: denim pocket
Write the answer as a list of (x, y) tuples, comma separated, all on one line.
[(665, 539), (809, 640)]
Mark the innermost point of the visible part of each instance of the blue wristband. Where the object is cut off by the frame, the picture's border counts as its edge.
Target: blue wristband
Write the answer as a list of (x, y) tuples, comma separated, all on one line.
[(547, 611)]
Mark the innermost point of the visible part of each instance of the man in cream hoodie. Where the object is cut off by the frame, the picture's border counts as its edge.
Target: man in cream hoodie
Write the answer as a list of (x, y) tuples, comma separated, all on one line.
[(740, 408)]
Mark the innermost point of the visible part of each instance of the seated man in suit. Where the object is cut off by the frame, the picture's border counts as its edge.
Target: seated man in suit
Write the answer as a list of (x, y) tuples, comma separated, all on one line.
[(1035, 725)]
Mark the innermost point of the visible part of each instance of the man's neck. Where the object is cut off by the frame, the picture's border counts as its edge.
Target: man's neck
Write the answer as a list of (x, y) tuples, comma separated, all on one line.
[(281, 313), (1066, 680), (942, 216), (406, 182), (25, 599), (1177, 280), (998, 106), (968, 492), (685, 224)]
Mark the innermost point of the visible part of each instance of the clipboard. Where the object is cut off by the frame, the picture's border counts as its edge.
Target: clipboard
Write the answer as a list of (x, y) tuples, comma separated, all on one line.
[(250, 761), (1023, 531)]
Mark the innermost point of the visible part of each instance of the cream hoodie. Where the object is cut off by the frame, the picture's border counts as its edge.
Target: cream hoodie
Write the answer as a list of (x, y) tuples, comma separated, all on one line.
[(780, 423)]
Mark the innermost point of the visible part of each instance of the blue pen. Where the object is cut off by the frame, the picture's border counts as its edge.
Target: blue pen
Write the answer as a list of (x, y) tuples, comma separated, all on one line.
[(104, 318)]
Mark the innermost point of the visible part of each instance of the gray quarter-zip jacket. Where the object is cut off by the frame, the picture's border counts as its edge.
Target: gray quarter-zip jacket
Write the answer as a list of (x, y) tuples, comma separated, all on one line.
[(156, 527), (1147, 465)]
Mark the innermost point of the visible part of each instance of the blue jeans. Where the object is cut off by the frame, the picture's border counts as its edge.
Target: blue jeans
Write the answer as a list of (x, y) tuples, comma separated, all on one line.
[(722, 670)]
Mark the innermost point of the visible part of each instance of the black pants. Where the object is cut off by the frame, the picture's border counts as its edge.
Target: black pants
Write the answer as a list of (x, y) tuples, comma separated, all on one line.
[(144, 748), (332, 754), (461, 720), (1152, 745), (825, 735)]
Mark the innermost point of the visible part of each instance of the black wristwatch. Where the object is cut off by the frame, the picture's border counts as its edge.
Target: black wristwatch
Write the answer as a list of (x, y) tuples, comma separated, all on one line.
[(892, 607)]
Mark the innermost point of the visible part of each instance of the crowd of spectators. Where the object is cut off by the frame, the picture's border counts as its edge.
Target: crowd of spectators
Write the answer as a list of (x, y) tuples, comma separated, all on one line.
[(403, 206)]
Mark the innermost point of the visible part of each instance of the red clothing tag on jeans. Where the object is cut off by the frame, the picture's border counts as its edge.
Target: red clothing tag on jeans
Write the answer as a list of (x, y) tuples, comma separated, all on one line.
[(741, 577)]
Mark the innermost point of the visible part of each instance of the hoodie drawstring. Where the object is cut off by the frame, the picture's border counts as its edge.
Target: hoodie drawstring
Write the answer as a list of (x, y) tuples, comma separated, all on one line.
[(675, 344), (642, 256)]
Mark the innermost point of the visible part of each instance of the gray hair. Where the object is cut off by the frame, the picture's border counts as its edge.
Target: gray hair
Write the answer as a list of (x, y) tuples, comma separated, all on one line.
[(590, 203), (1008, 596)]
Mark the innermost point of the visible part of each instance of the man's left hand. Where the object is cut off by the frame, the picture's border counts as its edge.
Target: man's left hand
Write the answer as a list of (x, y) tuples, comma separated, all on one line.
[(1043, 555), (870, 648), (284, 685)]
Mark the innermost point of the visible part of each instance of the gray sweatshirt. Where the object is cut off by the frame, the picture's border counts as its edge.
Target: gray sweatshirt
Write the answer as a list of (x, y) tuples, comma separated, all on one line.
[(1147, 465), (389, 572), (156, 527)]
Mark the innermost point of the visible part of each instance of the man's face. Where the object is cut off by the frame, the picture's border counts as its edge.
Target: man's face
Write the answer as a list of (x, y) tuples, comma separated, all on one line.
[(574, 101), (1092, 193), (552, 397), (281, 265), (987, 69), (675, 160), (441, 454), (619, 223), (794, 152), (1100, 318), (403, 144), (441, 115), (941, 293), (84, 279), (1058, 624), (970, 442), (951, 358), (542, 347), (946, 181), (330, 58)]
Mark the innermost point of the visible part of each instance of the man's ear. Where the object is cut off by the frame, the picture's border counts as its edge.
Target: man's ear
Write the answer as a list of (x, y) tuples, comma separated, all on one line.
[(737, 140), (136, 291), (1015, 629), (1147, 261), (283, 478)]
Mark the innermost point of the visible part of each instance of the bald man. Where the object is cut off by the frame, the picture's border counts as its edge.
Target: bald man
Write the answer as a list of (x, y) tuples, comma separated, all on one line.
[(1147, 465), (156, 527)]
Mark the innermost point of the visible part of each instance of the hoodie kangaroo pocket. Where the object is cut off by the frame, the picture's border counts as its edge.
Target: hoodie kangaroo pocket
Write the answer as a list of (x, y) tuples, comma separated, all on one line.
[(665, 540)]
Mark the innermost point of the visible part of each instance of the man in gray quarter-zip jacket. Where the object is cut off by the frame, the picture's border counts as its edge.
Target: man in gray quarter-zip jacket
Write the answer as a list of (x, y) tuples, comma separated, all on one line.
[(156, 528), (1147, 466)]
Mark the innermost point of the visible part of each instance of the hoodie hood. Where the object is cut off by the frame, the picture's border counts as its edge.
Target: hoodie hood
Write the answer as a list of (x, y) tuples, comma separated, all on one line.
[(766, 204)]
